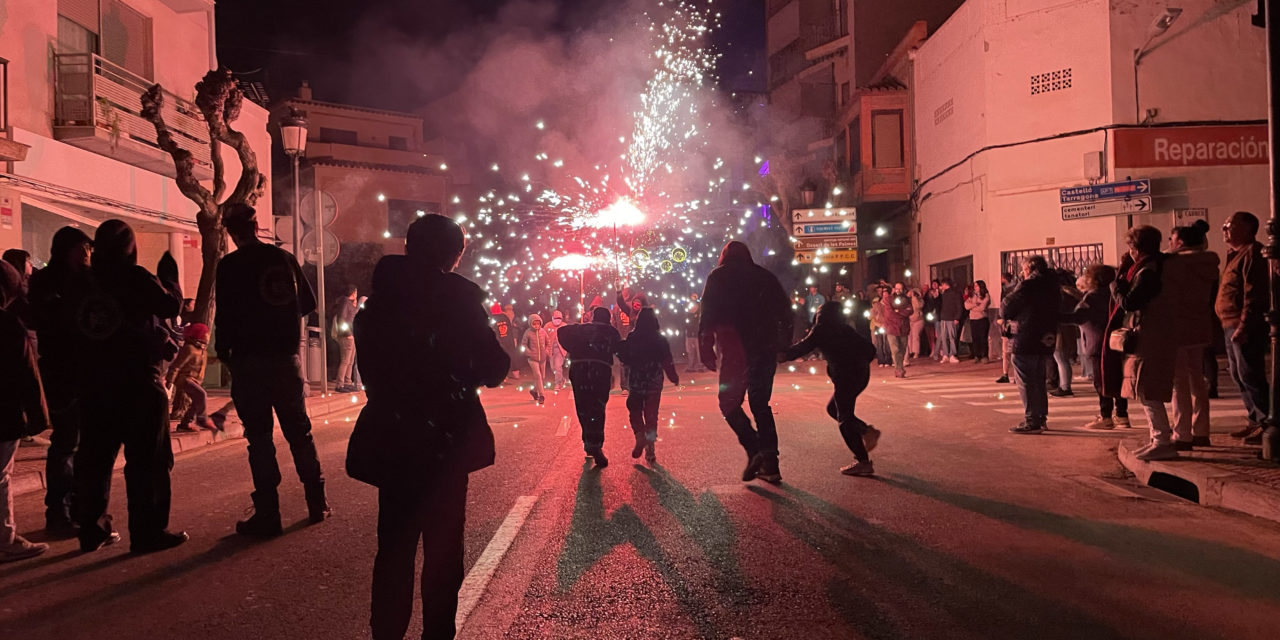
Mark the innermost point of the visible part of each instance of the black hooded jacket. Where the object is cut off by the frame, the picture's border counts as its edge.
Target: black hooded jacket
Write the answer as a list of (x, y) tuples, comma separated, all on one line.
[(847, 352), (22, 405), (1033, 307), (747, 297), (648, 354), (591, 347)]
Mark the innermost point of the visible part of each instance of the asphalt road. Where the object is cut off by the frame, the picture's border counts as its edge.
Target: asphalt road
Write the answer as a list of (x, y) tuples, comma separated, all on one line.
[(968, 532)]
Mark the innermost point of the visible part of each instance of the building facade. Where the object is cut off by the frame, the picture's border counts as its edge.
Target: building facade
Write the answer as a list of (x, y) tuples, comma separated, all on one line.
[(1016, 101), (73, 147)]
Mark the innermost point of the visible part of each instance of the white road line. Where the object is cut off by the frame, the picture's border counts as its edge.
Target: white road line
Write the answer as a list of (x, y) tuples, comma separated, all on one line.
[(960, 396), (478, 578), (564, 427)]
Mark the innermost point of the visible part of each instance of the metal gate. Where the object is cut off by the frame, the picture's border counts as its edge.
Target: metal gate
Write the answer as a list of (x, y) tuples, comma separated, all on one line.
[(1075, 258)]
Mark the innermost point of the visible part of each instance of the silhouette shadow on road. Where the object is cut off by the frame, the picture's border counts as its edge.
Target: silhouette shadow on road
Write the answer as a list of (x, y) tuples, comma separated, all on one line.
[(593, 535), (1249, 573), (876, 564)]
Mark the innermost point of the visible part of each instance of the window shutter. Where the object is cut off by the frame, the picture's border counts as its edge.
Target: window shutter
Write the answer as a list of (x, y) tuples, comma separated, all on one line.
[(81, 12)]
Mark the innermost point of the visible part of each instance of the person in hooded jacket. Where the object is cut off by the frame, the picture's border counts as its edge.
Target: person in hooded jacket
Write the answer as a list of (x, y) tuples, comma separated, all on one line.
[(624, 320), (591, 347), (557, 351), (22, 411), (121, 324), (648, 354), (1031, 310), (52, 292), (536, 346), (505, 330), (426, 348), (747, 317), (1195, 269), (848, 355)]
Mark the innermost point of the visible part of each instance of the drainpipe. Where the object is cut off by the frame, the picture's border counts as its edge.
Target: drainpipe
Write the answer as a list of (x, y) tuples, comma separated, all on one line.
[(213, 38)]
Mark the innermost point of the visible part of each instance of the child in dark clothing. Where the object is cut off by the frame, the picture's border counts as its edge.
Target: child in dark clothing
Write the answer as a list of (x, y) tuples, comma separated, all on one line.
[(848, 355), (590, 348), (648, 355)]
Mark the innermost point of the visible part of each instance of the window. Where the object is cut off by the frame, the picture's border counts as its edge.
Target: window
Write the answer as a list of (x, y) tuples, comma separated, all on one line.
[(402, 213), (339, 136), (397, 142), (75, 38), (886, 139), (126, 38), (855, 146)]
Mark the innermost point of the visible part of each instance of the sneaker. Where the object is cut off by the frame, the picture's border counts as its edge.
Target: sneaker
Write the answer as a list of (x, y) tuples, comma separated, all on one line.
[(1027, 429), (1100, 423), (260, 524), (542, 399), (1002, 380), (1255, 439), (754, 462), (598, 456), (953, 360), (899, 374), (1181, 445), (1144, 448), (164, 540), (186, 427), (769, 470), (650, 455), (1252, 429), (862, 469), (1201, 441), (1122, 422), (219, 421), (1158, 451), (317, 505), (639, 448), (98, 538), (871, 438), (21, 549), (33, 441), (533, 392), (1062, 393)]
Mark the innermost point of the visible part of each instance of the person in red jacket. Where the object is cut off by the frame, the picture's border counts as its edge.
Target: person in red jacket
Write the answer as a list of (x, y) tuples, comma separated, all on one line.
[(895, 317)]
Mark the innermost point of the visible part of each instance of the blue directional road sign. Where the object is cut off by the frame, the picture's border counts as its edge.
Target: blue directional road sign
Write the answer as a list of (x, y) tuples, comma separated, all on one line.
[(821, 228), (1105, 191)]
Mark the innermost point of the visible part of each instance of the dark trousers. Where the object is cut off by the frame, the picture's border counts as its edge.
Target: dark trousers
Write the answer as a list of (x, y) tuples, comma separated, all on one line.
[(590, 401), (748, 376), (883, 354), (1247, 364), (980, 330), (1030, 368), (260, 385), (198, 400), (64, 415), (841, 408), (1106, 406), (643, 409), (137, 417), (434, 514)]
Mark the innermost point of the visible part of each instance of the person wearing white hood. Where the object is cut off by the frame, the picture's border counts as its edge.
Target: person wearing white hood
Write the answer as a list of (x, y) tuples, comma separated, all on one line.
[(536, 346), (557, 352)]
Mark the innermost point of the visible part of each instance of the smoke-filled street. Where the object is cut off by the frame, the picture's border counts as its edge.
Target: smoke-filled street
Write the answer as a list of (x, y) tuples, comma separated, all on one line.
[(966, 532)]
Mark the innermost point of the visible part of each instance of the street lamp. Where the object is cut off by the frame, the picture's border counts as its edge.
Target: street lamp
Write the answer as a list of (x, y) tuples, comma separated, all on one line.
[(293, 137), (808, 192), (1157, 28)]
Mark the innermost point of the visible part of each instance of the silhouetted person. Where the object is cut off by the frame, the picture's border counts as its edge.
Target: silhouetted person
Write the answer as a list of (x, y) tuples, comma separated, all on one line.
[(648, 356), (52, 294), (121, 322), (425, 347), (261, 295), (591, 347), (848, 355), (22, 410), (747, 317)]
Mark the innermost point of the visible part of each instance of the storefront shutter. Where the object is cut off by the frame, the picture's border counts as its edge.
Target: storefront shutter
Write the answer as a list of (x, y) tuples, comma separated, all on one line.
[(81, 12)]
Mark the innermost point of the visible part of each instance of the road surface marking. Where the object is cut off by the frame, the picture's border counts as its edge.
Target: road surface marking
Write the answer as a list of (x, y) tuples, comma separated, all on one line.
[(564, 427), (478, 578)]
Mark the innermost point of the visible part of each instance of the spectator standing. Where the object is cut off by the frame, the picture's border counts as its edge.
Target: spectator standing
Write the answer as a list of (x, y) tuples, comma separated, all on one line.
[(917, 338), (1006, 336), (951, 311), (979, 324), (53, 293), (1195, 269), (648, 355), (896, 315), (1150, 313), (343, 320), (746, 318), (1241, 306), (879, 335), (693, 315), (536, 346), (1092, 314), (261, 296), (1066, 349), (22, 411), (557, 351), (933, 318), (1031, 311), (813, 302)]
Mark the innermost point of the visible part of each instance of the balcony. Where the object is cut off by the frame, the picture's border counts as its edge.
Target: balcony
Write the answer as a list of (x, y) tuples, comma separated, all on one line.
[(98, 108)]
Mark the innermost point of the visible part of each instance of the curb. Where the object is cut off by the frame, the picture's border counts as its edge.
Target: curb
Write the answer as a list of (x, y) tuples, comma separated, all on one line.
[(186, 442), (1216, 487)]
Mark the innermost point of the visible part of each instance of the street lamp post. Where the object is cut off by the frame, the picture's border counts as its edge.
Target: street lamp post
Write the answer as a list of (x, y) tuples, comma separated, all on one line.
[(1271, 437), (293, 136)]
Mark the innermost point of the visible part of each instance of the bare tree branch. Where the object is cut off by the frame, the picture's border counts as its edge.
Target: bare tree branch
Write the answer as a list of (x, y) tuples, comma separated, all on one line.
[(183, 161), (219, 169)]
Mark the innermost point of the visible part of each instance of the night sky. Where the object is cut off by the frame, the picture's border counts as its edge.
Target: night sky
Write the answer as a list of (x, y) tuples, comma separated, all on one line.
[(325, 41)]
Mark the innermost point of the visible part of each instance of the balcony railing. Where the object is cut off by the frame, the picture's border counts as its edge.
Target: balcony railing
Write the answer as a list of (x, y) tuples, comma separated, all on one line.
[(98, 107)]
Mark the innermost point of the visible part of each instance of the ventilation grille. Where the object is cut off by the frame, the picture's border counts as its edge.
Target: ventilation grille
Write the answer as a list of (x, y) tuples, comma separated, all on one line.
[(943, 112), (1051, 81)]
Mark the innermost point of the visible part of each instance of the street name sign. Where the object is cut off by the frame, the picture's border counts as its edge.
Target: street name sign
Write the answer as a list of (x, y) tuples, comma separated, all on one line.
[(1105, 191), (821, 229), (1103, 208), (847, 241), (827, 256)]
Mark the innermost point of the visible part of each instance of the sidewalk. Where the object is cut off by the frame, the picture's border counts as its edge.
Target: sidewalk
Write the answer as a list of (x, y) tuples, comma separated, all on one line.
[(1227, 475), (28, 475)]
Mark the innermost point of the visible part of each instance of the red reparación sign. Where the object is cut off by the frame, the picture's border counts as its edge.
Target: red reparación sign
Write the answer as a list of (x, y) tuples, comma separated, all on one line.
[(1192, 146)]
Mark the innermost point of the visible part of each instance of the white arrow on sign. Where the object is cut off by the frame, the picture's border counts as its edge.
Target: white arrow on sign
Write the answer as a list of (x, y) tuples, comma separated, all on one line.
[(1103, 208)]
